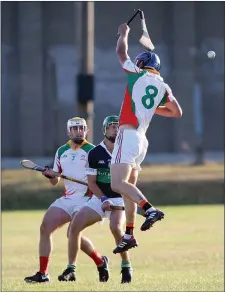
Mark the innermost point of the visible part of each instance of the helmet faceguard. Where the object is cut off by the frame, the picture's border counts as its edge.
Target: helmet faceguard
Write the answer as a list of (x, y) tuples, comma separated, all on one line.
[(77, 122), (110, 120), (148, 60)]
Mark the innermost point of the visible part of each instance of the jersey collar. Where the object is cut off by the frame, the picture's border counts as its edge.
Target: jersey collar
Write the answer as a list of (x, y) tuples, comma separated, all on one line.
[(152, 71), (104, 146), (78, 146)]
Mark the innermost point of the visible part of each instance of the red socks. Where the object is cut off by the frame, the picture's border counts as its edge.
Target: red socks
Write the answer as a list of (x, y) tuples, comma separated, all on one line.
[(44, 265), (96, 258)]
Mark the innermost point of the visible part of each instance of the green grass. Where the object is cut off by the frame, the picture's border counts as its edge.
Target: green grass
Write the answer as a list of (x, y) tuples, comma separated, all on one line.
[(184, 252), (162, 184), (27, 179)]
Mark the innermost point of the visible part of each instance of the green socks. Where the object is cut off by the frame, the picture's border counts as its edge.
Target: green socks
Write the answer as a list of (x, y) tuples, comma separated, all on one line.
[(126, 264), (71, 266)]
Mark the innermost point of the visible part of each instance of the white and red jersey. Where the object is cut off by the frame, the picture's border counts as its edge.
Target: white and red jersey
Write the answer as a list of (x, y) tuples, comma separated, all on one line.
[(145, 91), (72, 162)]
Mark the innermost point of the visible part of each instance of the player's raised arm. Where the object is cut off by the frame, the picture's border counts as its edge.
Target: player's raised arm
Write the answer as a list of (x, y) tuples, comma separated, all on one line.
[(122, 43)]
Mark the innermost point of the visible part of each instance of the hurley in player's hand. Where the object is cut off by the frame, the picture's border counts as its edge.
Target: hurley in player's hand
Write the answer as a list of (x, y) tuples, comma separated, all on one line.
[(123, 29), (48, 172)]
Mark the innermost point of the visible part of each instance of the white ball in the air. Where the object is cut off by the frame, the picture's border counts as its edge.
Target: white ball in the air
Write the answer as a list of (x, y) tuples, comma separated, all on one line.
[(211, 54)]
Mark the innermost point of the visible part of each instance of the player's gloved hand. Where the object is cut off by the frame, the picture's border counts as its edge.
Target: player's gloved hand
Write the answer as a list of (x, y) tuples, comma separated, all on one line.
[(48, 172), (106, 204)]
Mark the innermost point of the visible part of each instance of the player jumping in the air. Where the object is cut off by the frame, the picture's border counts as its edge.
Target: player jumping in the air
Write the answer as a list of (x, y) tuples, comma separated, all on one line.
[(98, 207), (146, 94), (70, 160)]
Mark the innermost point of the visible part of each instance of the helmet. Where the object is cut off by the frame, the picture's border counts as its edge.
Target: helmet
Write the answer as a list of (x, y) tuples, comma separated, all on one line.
[(76, 122), (108, 121), (148, 60)]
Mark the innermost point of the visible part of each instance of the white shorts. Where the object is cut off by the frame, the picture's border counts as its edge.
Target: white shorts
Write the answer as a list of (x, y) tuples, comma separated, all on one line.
[(130, 147), (95, 204), (70, 204)]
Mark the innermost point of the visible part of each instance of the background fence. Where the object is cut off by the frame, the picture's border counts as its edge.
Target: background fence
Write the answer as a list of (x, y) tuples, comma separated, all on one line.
[(40, 63)]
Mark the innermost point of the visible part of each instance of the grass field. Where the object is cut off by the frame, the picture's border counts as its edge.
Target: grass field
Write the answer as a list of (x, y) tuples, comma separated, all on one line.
[(27, 179), (162, 184), (184, 252)]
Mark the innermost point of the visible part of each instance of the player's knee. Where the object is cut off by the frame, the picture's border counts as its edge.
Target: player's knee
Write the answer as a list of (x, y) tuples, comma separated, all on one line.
[(45, 229), (75, 227)]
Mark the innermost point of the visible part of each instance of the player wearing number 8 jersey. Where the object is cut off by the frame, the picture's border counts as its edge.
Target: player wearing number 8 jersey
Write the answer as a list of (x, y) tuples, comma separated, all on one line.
[(145, 91), (146, 94)]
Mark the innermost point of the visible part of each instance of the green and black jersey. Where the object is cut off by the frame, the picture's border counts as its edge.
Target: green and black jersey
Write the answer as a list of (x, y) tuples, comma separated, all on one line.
[(99, 159)]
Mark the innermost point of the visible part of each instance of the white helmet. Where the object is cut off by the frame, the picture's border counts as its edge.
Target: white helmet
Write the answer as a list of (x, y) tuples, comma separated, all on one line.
[(76, 122)]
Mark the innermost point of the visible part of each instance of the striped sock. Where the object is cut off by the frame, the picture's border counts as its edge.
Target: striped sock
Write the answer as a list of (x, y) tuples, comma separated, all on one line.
[(129, 230), (145, 205), (126, 264), (71, 266)]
